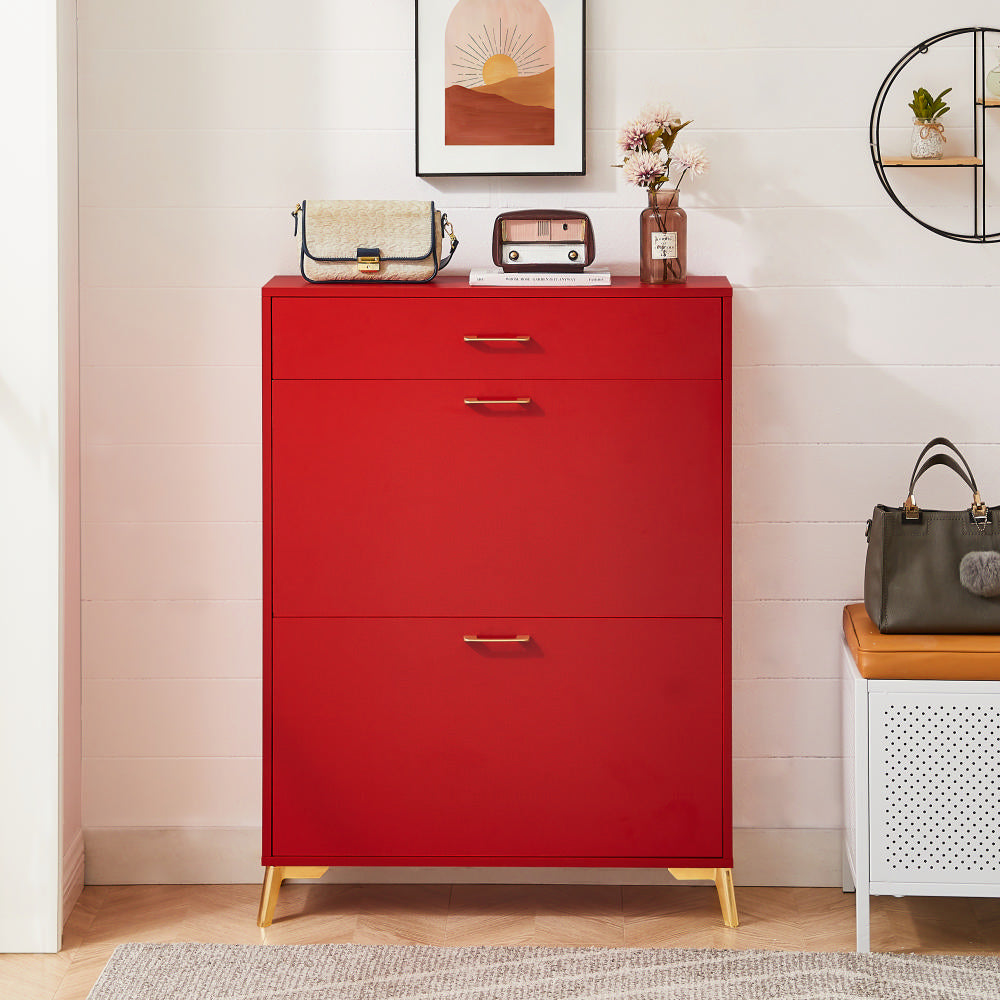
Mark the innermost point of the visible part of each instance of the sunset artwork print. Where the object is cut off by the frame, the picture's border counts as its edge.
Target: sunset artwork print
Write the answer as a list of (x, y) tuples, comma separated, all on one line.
[(499, 74), (500, 87)]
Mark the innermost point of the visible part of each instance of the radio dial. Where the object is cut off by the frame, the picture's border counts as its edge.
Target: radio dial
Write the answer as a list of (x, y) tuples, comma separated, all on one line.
[(513, 255), (573, 255)]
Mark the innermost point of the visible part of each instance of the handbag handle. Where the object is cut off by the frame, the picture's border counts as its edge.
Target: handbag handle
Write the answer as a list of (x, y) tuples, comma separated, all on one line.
[(948, 461), (910, 509)]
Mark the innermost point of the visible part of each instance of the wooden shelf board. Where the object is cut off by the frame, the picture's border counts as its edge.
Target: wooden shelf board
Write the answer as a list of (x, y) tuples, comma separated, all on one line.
[(990, 102), (945, 161)]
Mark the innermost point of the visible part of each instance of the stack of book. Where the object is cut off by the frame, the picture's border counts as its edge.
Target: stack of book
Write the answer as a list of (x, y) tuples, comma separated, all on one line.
[(497, 276)]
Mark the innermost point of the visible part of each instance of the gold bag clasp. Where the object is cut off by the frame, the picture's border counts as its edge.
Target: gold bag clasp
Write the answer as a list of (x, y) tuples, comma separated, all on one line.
[(369, 259)]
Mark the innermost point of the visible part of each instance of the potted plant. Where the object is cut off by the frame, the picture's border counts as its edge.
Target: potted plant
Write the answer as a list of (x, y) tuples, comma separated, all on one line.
[(927, 140)]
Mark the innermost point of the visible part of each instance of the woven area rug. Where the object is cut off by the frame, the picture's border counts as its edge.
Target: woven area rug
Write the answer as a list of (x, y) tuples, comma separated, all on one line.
[(377, 972)]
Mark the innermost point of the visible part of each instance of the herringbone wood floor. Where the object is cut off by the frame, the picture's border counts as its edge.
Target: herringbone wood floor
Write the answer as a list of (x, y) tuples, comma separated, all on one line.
[(604, 916)]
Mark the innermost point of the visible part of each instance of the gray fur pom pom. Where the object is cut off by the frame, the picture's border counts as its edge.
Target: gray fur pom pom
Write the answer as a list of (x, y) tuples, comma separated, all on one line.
[(979, 573)]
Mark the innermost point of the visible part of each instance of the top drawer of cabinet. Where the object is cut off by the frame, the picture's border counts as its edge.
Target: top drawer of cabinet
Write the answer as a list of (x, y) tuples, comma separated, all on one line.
[(580, 337)]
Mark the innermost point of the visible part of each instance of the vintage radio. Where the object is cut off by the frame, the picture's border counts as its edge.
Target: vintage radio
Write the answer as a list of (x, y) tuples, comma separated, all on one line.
[(543, 240)]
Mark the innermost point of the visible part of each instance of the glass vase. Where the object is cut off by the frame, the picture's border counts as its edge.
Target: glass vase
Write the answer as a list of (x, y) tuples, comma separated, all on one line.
[(663, 239), (927, 139)]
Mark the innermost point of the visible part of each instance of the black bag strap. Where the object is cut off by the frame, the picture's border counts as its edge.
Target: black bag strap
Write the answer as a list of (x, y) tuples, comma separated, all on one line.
[(447, 230)]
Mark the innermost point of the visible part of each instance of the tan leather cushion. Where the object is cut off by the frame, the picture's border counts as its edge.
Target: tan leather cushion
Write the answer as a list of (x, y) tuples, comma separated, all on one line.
[(919, 657)]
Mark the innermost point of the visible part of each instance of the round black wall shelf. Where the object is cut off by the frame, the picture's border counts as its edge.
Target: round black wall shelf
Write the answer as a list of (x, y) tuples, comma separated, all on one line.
[(975, 164)]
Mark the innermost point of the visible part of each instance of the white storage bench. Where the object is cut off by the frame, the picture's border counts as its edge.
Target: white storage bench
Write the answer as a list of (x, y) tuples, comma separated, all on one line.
[(921, 725)]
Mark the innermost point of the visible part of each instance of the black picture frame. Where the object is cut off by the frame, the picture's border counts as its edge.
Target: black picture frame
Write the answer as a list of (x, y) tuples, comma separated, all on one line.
[(478, 78)]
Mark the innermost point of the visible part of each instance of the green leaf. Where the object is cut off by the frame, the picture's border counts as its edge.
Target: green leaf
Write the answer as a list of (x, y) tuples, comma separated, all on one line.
[(927, 107)]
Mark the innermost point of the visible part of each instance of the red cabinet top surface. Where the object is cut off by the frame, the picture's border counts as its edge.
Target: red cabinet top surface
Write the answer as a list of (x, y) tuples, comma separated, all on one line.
[(458, 285)]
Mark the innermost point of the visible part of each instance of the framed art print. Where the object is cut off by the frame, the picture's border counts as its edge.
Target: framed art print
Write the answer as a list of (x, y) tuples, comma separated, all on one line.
[(500, 87)]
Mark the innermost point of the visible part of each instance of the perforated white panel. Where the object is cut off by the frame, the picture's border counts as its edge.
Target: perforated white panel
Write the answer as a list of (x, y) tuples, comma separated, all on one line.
[(935, 788)]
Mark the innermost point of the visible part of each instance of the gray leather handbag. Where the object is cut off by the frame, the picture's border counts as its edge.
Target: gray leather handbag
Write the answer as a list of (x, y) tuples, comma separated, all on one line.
[(934, 571)]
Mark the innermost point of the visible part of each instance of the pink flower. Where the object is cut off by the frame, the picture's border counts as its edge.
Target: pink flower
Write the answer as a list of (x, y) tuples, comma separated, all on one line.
[(643, 168), (648, 161), (632, 137), (688, 156), (662, 114)]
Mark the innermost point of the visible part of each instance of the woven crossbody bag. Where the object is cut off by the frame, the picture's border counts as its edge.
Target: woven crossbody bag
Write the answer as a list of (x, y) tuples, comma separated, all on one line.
[(371, 240)]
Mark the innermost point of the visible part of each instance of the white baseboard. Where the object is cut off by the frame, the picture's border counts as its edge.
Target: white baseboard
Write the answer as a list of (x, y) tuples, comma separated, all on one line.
[(207, 856), (173, 855), (72, 875), (787, 857)]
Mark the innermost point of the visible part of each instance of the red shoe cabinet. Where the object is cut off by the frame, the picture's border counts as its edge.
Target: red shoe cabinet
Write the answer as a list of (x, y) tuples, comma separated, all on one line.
[(496, 578)]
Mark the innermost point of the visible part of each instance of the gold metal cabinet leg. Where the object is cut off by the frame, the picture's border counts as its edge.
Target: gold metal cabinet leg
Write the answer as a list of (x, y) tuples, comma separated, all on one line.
[(723, 879), (727, 896), (273, 877)]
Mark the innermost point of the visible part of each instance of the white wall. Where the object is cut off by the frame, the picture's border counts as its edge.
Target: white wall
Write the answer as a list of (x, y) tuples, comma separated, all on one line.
[(69, 320), (858, 336), (40, 840)]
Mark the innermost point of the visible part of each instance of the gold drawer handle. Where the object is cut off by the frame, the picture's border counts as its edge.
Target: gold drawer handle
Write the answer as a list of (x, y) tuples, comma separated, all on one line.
[(496, 638), (472, 339), (476, 401)]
